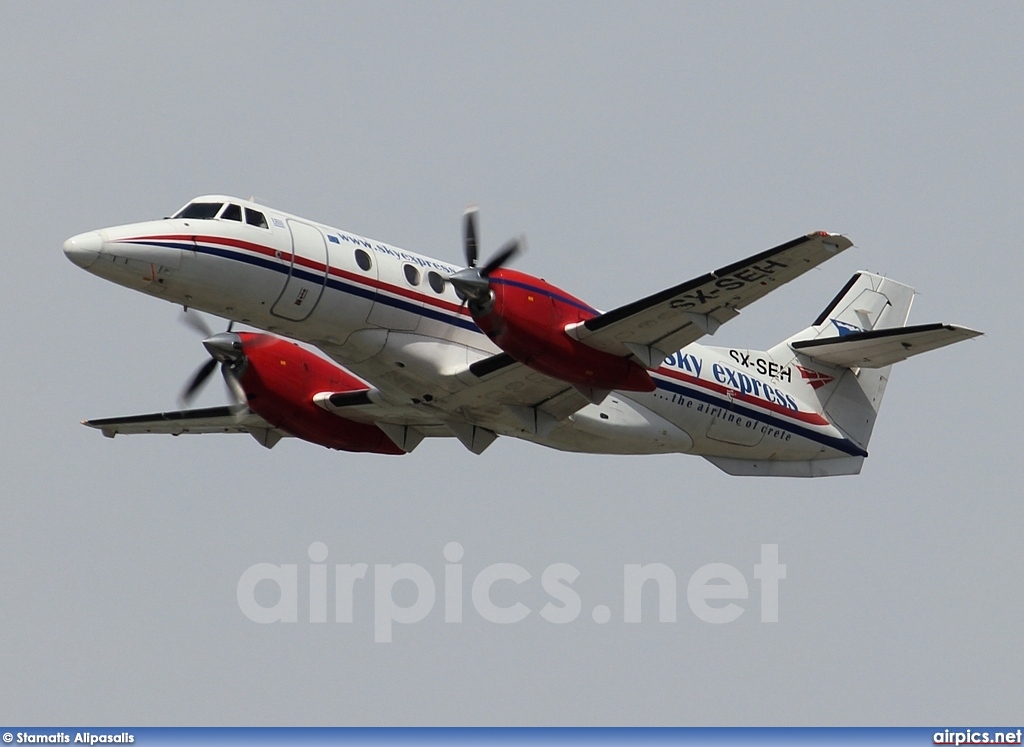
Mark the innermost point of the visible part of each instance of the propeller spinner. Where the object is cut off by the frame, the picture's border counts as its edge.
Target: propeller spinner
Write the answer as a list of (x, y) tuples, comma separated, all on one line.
[(224, 348)]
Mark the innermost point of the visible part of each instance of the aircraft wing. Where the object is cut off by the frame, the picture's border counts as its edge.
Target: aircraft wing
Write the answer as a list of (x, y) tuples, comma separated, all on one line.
[(653, 327), (503, 382), (498, 395), (204, 420), (882, 347), (503, 394)]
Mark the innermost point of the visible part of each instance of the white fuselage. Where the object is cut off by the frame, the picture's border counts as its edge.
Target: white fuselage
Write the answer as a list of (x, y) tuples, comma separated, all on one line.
[(393, 321)]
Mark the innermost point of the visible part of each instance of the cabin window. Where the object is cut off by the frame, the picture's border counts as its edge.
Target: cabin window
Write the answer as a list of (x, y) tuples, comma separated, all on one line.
[(363, 260), (412, 274), (436, 282), (200, 210), (255, 218), (232, 212)]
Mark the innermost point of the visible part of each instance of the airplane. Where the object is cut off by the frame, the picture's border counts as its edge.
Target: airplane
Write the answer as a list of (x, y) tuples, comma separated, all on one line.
[(409, 347)]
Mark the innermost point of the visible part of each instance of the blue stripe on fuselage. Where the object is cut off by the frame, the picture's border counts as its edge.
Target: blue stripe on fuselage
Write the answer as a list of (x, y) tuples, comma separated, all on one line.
[(839, 444), (332, 282)]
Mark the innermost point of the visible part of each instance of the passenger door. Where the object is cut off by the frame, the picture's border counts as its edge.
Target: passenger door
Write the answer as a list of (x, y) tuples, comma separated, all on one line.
[(307, 273)]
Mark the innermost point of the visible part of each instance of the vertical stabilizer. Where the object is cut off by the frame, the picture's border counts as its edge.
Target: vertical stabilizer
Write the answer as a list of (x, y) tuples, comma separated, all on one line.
[(851, 397)]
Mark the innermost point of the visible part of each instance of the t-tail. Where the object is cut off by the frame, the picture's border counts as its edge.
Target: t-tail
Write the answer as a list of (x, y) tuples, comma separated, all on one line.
[(846, 357)]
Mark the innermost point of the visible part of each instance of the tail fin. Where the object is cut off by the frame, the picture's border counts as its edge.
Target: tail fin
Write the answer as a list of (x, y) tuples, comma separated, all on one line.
[(851, 399), (866, 302), (847, 353), (845, 357)]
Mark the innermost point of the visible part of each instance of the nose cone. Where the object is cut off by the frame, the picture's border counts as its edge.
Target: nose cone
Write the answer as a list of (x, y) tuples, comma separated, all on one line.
[(84, 248)]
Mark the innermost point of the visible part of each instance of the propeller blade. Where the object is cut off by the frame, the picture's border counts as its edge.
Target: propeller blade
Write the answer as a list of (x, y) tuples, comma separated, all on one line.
[(507, 252), (471, 283), (235, 389), (469, 235), (198, 379), (196, 321)]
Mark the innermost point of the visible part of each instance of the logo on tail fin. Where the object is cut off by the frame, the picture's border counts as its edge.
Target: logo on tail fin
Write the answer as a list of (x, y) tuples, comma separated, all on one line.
[(845, 328), (816, 379)]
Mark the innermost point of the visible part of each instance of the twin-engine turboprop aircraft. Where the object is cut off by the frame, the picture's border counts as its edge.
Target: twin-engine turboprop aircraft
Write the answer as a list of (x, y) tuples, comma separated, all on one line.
[(419, 347)]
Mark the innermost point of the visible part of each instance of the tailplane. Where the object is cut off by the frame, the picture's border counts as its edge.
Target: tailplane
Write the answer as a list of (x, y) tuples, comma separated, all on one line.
[(846, 355)]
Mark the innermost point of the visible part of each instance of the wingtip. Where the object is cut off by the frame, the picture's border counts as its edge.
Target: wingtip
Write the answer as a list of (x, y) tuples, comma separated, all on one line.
[(968, 332), (840, 241)]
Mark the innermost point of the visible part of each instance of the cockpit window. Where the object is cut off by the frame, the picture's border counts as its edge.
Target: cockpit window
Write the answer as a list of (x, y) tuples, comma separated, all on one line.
[(255, 218), (232, 212), (200, 210)]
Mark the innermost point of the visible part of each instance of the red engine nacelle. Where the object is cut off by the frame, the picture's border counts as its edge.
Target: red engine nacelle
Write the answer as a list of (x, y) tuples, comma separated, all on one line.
[(280, 381), (527, 319)]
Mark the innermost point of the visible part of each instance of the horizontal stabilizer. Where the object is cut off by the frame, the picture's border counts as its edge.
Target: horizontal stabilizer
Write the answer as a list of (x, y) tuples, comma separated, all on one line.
[(850, 465), (878, 348)]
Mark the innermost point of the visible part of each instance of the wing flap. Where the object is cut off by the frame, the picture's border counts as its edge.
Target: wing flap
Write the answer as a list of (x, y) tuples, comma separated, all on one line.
[(882, 347), (677, 316)]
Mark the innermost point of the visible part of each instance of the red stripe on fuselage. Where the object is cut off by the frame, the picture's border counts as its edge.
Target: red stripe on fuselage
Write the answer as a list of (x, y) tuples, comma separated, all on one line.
[(286, 259), (811, 418)]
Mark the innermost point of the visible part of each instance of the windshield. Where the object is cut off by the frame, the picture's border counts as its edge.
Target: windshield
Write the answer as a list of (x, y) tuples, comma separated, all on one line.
[(202, 210)]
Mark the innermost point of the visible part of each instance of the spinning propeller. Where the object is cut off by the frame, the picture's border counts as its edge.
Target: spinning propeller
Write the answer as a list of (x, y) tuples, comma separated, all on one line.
[(224, 348), (472, 283)]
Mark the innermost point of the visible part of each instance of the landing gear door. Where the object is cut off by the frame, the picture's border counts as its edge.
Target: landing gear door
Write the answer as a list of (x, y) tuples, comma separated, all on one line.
[(306, 275)]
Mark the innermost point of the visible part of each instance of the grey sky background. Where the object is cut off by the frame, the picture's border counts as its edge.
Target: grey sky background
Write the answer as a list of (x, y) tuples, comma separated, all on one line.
[(636, 146)]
